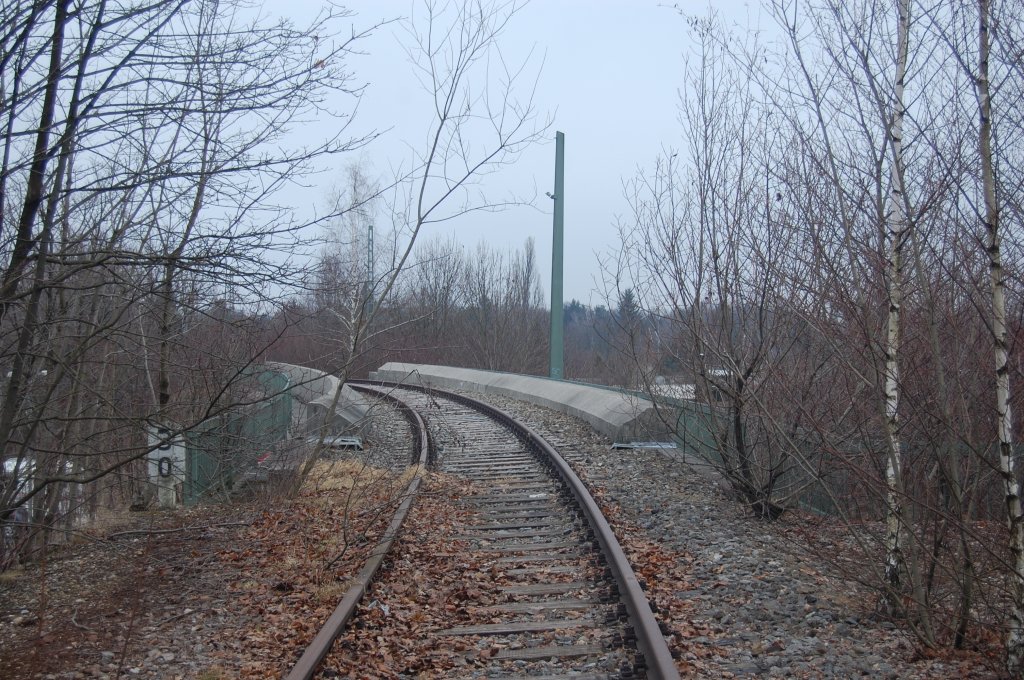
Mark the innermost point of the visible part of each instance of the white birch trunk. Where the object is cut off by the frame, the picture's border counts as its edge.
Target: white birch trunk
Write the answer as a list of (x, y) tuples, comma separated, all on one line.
[(1015, 634), (897, 229)]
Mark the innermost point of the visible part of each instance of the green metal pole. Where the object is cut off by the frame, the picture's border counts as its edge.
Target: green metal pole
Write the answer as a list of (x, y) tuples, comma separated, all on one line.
[(557, 339), (369, 269)]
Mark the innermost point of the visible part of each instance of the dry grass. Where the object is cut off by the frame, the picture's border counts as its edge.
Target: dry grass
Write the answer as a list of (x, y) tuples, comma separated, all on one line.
[(334, 591), (11, 575), (214, 673), (109, 520), (360, 482), (342, 475)]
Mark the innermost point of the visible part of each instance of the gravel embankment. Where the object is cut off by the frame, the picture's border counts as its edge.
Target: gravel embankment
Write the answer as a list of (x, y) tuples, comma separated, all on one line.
[(162, 605), (771, 608)]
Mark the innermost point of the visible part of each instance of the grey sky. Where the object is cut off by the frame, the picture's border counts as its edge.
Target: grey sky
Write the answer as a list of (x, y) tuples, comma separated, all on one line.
[(610, 81)]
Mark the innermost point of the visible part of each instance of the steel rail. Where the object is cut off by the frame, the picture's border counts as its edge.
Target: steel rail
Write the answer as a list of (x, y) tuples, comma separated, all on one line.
[(420, 431), (305, 668), (650, 641)]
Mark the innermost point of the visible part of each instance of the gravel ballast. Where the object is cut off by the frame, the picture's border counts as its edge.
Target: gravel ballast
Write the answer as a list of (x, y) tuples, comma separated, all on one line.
[(771, 608), (161, 606)]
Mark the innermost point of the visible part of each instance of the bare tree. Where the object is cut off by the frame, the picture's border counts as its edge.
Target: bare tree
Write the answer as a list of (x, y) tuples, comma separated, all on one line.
[(146, 197), (437, 293), (453, 48), (828, 301), (992, 222), (897, 232), (502, 322), (706, 251)]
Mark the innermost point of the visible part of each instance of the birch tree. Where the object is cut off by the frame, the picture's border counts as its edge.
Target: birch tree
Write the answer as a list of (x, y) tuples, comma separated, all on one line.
[(897, 232), (855, 95), (991, 219)]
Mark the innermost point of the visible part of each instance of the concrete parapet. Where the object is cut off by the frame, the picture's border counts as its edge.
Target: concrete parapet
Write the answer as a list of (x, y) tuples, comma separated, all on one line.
[(315, 391), (615, 414)]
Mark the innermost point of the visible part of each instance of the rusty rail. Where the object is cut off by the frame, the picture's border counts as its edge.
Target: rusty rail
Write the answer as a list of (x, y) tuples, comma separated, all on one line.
[(313, 656), (649, 639)]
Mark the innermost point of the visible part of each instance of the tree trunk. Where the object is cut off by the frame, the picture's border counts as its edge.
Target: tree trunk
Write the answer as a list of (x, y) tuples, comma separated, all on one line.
[(897, 229), (1015, 634), (35, 190)]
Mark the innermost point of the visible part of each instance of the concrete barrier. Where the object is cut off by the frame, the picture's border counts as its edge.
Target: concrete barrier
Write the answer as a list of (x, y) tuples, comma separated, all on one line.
[(617, 415), (315, 390)]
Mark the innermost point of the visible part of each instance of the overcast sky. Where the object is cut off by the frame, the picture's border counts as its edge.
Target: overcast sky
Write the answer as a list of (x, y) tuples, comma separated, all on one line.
[(610, 80)]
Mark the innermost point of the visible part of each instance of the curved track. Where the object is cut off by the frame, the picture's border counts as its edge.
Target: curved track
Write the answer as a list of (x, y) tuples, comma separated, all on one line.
[(556, 596)]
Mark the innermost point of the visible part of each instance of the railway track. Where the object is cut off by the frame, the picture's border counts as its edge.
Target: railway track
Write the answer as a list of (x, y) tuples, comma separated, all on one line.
[(550, 592)]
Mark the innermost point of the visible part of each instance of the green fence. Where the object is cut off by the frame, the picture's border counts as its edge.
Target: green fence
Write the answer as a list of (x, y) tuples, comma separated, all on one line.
[(219, 449)]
